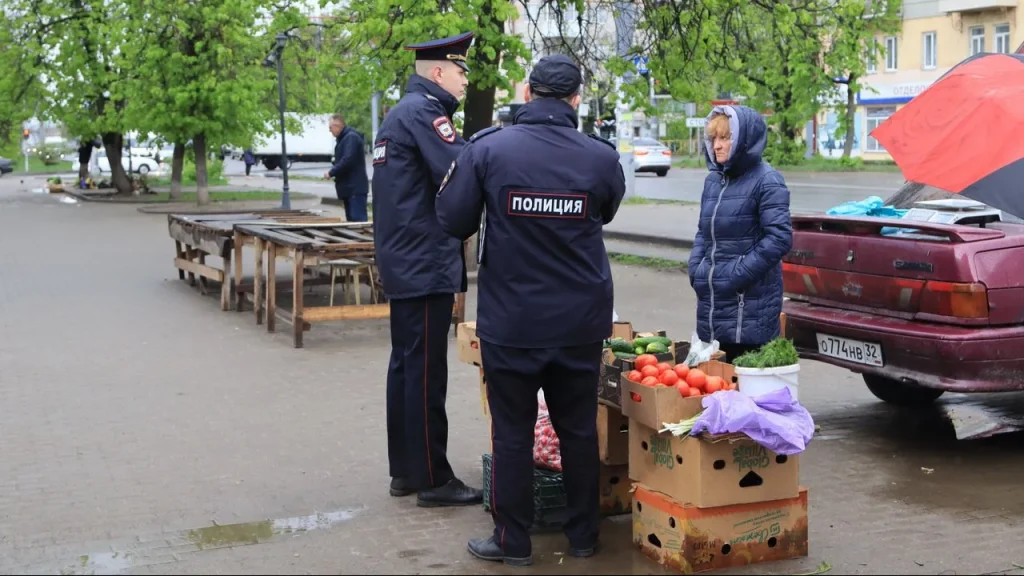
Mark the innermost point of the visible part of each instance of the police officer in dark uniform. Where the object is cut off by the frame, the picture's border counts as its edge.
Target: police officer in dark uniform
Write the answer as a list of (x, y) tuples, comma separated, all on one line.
[(421, 268), (545, 295)]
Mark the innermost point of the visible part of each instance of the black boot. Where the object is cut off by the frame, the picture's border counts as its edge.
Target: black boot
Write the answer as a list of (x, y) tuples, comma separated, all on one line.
[(583, 552), (488, 549), (399, 488), (454, 493)]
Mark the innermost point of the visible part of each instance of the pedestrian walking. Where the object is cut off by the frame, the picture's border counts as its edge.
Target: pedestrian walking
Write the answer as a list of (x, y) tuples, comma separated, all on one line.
[(744, 231), (349, 171), (544, 296), (421, 269), (249, 158)]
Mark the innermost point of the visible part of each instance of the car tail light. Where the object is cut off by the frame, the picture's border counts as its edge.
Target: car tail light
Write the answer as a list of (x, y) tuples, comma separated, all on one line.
[(639, 152), (954, 300), (801, 280), (666, 152)]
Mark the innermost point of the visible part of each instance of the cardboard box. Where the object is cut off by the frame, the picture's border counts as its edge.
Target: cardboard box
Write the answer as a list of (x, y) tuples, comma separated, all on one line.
[(708, 472), (609, 390), (652, 407), (690, 539), (616, 490), (612, 436), (469, 344)]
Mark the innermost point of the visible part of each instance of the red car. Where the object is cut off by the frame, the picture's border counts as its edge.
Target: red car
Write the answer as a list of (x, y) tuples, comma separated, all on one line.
[(935, 307)]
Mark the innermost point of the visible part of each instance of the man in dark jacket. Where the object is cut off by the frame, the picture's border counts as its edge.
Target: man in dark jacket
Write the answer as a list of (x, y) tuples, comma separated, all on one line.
[(422, 269), (545, 296), (349, 171), (736, 262)]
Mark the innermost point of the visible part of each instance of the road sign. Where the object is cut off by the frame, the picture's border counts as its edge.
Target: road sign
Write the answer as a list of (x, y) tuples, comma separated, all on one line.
[(696, 122), (641, 64)]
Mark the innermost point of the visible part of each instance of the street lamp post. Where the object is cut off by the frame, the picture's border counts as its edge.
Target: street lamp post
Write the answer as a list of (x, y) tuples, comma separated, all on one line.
[(282, 39)]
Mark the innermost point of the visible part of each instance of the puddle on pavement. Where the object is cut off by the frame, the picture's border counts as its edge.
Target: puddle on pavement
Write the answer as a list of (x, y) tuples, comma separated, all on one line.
[(172, 546)]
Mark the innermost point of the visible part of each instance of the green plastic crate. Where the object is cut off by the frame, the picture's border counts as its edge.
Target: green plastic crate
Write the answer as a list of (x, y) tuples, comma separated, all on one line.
[(549, 505)]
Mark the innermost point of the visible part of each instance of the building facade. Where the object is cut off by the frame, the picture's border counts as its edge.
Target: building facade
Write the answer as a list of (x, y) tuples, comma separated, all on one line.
[(936, 35)]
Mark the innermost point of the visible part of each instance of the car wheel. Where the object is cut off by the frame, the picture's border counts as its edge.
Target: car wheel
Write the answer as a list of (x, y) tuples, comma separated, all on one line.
[(270, 164), (900, 393), (663, 173), (144, 169)]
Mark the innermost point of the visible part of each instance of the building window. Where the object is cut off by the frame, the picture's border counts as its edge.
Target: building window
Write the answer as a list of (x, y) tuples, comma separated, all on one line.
[(891, 54), (877, 115), (1003, 38), (977, 40), (928, 56), (872, 59)]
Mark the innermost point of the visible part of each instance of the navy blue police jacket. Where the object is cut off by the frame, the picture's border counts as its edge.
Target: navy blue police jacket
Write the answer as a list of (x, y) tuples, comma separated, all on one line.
[(545, 191), (415, 146)]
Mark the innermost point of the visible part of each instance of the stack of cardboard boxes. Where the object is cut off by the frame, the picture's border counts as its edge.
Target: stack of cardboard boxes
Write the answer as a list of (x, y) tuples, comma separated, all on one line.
[(707, 503)]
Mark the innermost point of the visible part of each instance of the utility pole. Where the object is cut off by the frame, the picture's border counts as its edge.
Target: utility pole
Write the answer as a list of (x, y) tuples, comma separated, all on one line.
[(625, 23)]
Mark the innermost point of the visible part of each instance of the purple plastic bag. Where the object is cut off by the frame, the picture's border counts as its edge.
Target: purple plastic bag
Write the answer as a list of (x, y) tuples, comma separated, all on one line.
[(774, 420)]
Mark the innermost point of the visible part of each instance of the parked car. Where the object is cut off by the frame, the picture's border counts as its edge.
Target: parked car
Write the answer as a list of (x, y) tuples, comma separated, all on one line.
[(649, 155), (6, 166), (929, 303), (139, 164)]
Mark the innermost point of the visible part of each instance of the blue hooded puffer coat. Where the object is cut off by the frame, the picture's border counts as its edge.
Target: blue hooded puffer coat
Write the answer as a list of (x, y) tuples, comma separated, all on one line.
[(736, 261)]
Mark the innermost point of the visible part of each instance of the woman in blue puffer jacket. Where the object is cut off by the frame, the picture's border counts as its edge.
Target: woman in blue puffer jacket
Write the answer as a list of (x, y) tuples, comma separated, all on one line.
[(736, 262)]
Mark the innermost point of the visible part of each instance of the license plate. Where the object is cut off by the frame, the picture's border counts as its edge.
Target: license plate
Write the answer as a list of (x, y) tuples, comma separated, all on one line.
[(850, 350)]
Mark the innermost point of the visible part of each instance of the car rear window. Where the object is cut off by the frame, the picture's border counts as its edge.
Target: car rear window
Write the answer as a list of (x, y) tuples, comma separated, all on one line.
[(646, 142)]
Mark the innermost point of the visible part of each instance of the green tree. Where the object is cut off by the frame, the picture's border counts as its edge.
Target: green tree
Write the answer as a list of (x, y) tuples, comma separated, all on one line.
[(854, 31)]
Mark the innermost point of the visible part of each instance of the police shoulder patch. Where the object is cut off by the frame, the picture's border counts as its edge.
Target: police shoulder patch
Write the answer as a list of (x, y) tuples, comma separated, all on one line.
[(602, 140), (443, 127), (380, 152), (484, 132), (451, 170)]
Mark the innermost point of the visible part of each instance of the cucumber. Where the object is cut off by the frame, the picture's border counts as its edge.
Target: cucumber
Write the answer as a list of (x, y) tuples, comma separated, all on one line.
[(620, 345), (647, 340), (656, 348), (625, 356), (639, 350)]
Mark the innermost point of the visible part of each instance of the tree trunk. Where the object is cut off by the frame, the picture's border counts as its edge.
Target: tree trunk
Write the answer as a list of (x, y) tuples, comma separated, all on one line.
[(177, 166), (479, 106), (113, 143), (851, 116), (202, 188)]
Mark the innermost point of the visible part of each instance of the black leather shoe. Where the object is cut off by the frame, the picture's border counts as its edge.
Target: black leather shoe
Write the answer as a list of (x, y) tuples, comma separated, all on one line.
[(454, 493), (399, 488), (583, 552), (488, 549)]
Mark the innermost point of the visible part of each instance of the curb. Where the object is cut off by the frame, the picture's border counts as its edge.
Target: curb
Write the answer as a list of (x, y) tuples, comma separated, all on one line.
[(233, 206), (648, 239)]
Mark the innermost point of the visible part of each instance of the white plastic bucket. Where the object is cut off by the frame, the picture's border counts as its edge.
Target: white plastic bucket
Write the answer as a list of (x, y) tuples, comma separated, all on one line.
[(757, 381)]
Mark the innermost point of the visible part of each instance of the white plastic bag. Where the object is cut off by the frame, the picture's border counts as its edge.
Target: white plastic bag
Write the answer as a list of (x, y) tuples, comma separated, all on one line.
[(546, 450), (700, 352), (615, 315)]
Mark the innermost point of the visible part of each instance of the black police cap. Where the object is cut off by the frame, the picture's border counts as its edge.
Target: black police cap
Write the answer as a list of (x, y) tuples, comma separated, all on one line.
[(555, 76), (452, 48)]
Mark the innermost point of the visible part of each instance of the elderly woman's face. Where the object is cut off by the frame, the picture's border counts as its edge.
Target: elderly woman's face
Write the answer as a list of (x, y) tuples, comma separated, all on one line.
[(721, 144)]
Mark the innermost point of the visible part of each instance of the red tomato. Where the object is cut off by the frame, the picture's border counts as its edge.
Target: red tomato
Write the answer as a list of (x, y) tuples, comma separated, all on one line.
[(668, 378), (684, 390), (635, 376), (695, 392), (634, 396), (664, 366), (644, 360), (651, 381), (696, 379), (713, 384), (649, 371), (681, 370)]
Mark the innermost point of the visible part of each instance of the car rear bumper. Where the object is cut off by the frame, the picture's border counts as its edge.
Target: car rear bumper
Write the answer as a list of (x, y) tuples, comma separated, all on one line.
[(953, 358), (651, 163)]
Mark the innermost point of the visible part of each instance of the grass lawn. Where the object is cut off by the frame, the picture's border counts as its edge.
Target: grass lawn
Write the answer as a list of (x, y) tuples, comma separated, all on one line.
[(641, 201), (649, 262), (35, 165), (816, 164), (164, 181), (217, 196)]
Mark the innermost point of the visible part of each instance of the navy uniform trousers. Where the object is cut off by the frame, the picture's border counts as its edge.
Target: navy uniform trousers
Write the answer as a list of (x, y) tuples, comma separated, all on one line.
[(569, 377), (417, 390)]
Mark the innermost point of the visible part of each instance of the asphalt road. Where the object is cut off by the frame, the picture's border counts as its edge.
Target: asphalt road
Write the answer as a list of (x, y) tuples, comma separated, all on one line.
[(811, 192)]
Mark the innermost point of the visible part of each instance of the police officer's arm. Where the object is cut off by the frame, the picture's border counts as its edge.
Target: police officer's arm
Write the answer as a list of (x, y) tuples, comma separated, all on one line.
[(436, 139), (460, 200), (617, 189)]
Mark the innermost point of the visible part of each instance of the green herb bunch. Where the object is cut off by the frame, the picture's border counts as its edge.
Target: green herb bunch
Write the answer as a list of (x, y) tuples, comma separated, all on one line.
[(775, 354)]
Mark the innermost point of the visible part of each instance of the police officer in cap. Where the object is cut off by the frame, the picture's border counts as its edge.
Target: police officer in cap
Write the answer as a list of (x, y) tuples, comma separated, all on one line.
[(545, 295), (421, 268)]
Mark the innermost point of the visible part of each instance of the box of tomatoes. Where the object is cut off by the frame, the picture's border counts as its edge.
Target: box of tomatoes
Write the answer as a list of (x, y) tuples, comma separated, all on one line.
[(656, 392)]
